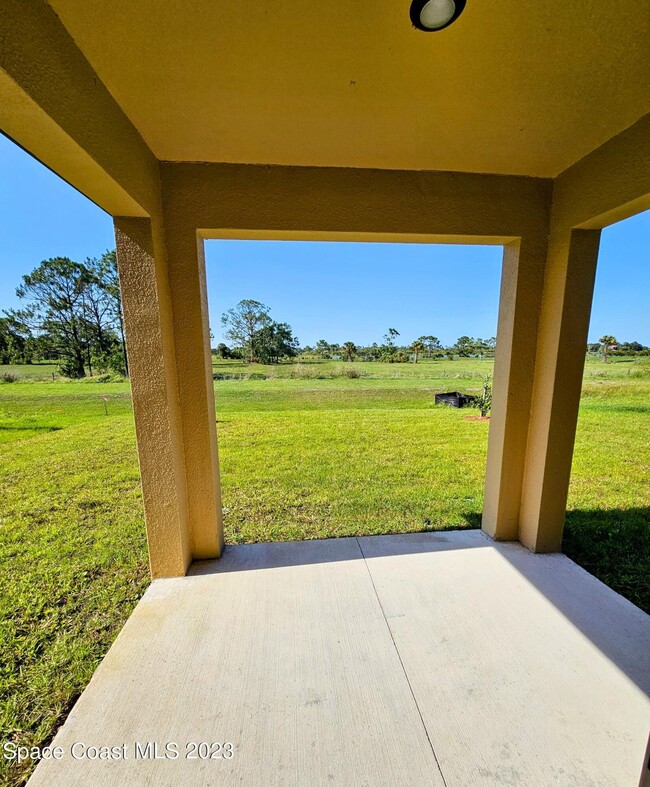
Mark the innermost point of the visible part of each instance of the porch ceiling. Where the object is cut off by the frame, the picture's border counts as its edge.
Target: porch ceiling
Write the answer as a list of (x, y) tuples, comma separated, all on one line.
[(513, 87)]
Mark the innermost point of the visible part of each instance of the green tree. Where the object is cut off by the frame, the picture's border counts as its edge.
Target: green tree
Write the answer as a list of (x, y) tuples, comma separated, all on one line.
[(373, 352), (73, 312), (631, 348), (607, 342), (223, 351), (323, 348), (349, 350), (243, 322), (432, 344), (274, 341), (388, 348), (106, 271), (53, 295), (417, 347), (99, 311), (464, 346), (16, 341)]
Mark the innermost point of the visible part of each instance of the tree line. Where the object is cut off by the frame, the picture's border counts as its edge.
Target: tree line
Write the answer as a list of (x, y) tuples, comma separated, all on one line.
[(608, 345), (390, 350), (71, 312), (431, 347), (255, 337)]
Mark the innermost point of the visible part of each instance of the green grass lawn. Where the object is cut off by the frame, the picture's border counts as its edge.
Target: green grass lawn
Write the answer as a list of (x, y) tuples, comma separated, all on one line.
[(306, 452), (44, 370)]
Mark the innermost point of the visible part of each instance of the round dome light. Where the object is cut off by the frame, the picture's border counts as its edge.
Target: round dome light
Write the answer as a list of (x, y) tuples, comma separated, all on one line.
[(432, 15)]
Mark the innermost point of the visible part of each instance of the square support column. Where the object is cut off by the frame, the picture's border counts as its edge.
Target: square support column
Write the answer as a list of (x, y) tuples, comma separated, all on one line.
[(522, 281), (562, 344), (188, 290), (148, 325)]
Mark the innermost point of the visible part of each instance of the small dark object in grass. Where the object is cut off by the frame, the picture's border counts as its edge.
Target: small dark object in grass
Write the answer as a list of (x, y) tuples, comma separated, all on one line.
[(427, 523), (455, 399)]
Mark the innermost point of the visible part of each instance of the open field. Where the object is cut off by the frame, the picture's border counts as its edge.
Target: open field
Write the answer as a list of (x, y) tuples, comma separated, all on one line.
[(45, 370), (308, 451)]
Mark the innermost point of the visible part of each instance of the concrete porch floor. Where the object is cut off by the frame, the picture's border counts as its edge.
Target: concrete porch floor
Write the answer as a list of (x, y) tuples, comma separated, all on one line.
[(425, 659)]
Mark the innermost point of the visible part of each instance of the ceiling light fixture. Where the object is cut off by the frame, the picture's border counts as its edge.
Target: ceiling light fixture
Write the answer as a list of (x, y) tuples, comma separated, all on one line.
[(433, 15)]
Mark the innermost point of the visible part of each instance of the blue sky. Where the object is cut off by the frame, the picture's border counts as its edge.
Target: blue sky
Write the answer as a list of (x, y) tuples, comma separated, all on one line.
[(353, 291), (335, 291)]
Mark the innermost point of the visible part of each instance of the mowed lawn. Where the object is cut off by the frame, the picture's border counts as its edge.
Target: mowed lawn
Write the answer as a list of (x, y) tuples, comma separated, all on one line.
[(306, 452)]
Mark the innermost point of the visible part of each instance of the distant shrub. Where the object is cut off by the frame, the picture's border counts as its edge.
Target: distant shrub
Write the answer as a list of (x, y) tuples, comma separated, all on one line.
[(226, 376), (7, 377), (239, 376), (300, 372), (351, 372), (69, 370), (105, 377), (397, 357)]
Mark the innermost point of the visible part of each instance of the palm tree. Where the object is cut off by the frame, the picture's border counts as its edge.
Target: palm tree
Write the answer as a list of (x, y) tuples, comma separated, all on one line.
[(349, 349), (607, 343), (417, 347)]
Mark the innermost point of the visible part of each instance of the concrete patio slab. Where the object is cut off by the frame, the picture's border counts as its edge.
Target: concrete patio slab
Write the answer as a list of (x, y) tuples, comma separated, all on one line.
[(427, 659)]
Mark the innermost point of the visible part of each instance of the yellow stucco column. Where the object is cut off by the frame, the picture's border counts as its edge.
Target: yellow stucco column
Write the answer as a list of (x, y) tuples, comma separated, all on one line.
[(562, 343), (150, 346), (186, 270), (522, 282)]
